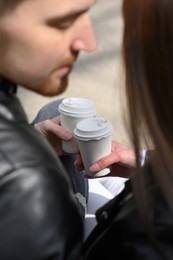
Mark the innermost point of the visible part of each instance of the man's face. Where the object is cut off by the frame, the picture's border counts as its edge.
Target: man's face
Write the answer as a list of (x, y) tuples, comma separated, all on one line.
[(41, 39)]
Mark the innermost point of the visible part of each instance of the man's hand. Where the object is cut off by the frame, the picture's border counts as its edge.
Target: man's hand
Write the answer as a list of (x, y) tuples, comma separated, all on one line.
[(55, 133)]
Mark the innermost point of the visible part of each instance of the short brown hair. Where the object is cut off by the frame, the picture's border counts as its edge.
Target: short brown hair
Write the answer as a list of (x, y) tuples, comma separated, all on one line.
[(8, 5)]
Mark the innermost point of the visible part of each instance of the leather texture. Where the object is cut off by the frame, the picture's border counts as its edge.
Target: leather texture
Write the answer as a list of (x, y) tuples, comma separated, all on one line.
[(39, 218)]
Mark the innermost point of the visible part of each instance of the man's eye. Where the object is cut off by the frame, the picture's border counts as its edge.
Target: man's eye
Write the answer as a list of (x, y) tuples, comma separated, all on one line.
[(62, 25), (65, 25), (65, 22)]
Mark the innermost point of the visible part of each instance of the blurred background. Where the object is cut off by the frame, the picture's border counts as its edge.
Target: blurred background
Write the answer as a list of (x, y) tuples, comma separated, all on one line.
[(97, 76)]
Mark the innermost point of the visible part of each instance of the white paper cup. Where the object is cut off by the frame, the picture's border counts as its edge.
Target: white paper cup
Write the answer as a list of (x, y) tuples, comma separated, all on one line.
[(94, 137), (73, 110)]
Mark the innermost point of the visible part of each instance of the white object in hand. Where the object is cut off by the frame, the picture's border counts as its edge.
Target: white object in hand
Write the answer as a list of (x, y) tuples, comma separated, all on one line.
[(73, 110), (94, 137)]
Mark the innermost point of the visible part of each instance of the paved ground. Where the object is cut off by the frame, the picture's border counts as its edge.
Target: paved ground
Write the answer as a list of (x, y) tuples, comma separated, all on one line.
[(96, 76)]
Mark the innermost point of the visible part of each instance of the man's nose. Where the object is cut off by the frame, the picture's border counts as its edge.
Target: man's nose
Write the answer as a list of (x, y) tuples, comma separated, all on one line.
[(84, 36)]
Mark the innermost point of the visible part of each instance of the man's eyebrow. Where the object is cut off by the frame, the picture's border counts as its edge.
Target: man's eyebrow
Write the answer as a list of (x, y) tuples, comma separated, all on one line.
[(64, 17), (71, 14)]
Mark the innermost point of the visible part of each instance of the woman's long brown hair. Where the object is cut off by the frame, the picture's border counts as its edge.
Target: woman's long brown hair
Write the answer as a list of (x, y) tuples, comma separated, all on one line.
[(148, 61)]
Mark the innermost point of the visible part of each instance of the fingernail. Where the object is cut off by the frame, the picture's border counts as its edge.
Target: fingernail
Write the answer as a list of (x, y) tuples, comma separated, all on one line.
[(95, 167), (67, 136)]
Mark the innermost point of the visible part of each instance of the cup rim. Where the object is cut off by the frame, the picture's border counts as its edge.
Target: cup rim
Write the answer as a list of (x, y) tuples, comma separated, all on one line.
[(101, 129), (77, 105)]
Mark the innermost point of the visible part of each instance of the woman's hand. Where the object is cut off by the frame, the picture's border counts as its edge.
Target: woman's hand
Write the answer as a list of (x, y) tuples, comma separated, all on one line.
[(55, 133), (121, 159)]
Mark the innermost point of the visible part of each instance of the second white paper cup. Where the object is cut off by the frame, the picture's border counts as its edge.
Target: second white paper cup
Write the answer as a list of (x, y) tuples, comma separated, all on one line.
[(94, 137), (73, 110)]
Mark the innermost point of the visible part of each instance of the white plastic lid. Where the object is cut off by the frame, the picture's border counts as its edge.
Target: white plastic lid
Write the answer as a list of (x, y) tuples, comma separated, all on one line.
[(80, 106), (93, 128)]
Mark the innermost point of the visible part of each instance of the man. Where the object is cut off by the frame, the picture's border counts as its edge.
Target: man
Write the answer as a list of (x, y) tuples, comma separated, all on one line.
[(39, 43)]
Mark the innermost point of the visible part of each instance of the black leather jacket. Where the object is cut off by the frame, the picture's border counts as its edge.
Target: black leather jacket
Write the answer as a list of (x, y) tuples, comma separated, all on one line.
[(39, 218)]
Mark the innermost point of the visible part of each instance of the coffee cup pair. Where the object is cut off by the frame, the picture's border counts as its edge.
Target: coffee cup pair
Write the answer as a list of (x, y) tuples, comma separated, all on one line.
[(92, 134)]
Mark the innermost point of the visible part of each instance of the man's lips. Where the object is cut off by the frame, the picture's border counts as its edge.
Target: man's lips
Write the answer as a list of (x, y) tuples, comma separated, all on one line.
[(65, 70), (66, 66)]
